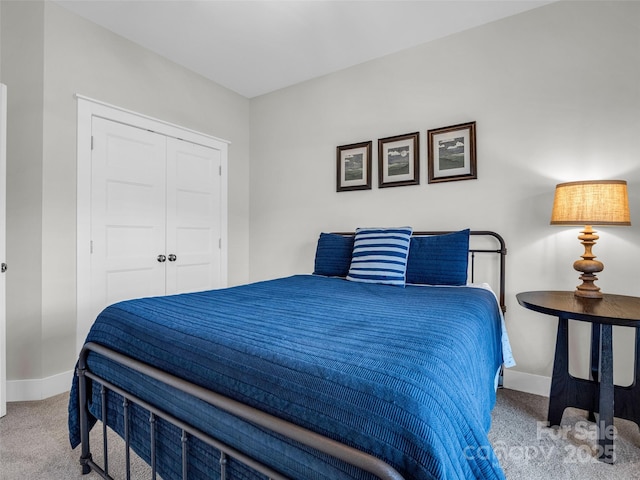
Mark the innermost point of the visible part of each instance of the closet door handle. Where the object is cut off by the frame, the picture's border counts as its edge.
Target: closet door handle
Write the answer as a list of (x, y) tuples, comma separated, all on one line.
[(3, 267), (162, 258), (172, 257)]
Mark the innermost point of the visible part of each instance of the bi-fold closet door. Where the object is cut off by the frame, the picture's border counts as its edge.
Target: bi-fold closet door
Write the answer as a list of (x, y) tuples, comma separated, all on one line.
[(155, 214)]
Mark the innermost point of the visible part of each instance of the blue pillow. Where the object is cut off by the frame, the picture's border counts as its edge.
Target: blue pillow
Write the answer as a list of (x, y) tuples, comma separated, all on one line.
[(439, 259), (380, 255), (333, 255)]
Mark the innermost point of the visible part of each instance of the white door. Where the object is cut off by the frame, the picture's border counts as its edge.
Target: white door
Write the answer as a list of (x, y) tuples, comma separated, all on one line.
[(3, 213), (193, 218), (183, 193), (128, 213), (155, 214)]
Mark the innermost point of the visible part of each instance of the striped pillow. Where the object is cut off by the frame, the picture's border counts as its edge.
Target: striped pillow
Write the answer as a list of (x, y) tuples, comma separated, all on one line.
[(380, 255)]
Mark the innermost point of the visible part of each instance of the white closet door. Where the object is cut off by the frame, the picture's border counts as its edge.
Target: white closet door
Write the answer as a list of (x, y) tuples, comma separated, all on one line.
[(144, 193), (128, 213), (193, 217)]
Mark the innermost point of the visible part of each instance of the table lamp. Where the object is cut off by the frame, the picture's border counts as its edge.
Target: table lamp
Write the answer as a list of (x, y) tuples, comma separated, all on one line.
[(588, 203)]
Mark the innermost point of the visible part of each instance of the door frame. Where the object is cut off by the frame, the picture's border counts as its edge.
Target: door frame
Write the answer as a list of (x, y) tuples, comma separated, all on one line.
[(3, 237), (87, 109)]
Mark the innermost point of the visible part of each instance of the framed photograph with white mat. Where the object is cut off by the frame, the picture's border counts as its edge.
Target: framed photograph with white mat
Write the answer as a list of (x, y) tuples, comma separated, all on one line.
[(353, 167), (452, 153), (398, 160)]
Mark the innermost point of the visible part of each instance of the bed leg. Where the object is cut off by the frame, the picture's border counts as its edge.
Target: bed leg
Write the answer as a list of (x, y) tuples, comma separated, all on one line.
[(84, 463), (85, 456)]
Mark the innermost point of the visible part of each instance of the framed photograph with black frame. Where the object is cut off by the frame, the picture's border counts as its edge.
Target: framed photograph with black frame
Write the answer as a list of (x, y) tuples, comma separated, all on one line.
[(354, 167), (399, 160), (452, 153)]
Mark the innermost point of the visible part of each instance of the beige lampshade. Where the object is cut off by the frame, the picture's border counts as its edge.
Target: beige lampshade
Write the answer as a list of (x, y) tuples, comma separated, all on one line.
[(599, 202)]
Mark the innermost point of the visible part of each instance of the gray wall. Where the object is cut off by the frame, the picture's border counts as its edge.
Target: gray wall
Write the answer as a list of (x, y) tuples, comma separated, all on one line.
[(48, 55), (23, 72), (555, 93)]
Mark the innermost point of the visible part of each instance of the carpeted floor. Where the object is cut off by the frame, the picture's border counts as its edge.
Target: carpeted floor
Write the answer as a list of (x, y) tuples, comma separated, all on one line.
[(34, 443), (529, 450)]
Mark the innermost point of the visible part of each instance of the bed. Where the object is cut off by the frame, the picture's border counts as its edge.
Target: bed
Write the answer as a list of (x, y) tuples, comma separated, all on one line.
[(310, 376)]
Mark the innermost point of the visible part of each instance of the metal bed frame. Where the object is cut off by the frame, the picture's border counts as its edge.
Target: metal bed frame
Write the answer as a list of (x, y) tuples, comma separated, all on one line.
[(338, 450)]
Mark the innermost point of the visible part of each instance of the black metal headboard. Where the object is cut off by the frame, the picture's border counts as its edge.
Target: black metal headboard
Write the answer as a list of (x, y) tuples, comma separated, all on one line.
[(501, 251)]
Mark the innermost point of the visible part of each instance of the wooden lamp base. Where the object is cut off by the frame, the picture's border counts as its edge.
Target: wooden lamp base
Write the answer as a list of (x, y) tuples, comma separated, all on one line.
[(588, 266)]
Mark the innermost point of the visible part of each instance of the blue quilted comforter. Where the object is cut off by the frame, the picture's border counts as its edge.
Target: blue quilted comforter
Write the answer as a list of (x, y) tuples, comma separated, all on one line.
[(405, 374)]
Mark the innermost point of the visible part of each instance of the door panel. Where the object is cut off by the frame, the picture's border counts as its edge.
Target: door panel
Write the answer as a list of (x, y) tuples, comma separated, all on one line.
[(126, 245), (128, 220), (193, 217), (152, 195)]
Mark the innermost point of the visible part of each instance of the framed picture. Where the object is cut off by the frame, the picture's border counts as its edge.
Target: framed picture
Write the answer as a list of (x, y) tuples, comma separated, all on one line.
[(354, 167), (452, 153), (399, 160)]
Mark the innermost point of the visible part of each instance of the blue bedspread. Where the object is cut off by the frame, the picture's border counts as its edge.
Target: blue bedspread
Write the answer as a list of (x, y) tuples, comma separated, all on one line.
[(406, 374)]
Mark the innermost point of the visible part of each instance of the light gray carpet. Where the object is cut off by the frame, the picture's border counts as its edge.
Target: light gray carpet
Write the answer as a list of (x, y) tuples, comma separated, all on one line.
[(529, 450), (34, 443)]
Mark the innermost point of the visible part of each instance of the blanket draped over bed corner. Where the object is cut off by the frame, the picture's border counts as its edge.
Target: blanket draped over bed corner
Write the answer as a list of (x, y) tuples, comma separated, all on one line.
[(405, 374)]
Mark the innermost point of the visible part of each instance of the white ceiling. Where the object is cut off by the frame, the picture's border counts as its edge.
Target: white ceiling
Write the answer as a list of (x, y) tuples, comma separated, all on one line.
[(255, 47)]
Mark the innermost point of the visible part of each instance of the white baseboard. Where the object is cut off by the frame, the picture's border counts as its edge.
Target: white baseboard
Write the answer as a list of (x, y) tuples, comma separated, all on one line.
[(526, 382), (38, 389), (28, 390)]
